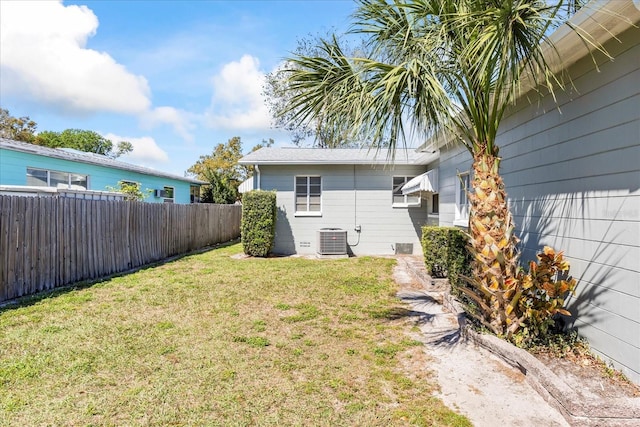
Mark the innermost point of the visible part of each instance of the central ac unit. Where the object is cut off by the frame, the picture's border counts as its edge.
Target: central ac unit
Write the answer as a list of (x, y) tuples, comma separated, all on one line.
[(332, 241)]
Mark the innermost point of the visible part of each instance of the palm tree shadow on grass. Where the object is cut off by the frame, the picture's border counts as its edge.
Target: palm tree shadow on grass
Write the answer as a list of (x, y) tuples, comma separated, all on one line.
[(433, 335), (419, 317)]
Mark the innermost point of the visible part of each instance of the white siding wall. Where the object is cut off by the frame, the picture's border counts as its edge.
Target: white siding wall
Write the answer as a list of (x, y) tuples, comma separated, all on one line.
[(351, 195), (573, 179)]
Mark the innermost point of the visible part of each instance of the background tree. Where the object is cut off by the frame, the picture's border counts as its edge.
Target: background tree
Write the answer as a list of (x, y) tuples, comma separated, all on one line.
[(83, 140), (219, 189), (222, 171), (279, 96), (266, 143), (131, 190), (24, 129), (451, 66), (16, 128)]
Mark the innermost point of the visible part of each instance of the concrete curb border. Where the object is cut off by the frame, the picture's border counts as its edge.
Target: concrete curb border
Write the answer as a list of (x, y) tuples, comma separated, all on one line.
[(555, 391), (588, 413)]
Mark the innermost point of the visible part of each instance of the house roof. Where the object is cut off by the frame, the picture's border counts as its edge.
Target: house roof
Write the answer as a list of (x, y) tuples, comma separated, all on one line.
[(600, 21), (88, 158), (336, 156)]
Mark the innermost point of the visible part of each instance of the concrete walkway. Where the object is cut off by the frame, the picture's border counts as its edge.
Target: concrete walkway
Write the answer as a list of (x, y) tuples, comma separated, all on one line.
[(472, 380)]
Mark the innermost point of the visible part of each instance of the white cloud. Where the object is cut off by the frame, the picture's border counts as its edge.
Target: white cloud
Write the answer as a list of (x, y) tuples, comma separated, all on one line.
[(145, 150), (237, 101), (42, 47), (180, 120)]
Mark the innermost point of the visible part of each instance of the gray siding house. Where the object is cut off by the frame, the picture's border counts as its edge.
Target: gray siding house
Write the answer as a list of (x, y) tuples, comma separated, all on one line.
[(572, 173), (350, 189), (571, 169)]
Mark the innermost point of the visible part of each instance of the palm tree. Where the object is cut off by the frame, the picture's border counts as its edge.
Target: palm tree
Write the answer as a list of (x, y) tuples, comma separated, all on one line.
[(441, 66)]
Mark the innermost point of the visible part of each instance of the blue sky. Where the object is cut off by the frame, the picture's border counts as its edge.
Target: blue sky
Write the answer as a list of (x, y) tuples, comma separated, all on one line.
[(175, 78)]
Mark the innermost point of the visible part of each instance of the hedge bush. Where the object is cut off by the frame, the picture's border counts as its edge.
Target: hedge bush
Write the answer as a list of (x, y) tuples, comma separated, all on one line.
[(258, 224), (446, 254)]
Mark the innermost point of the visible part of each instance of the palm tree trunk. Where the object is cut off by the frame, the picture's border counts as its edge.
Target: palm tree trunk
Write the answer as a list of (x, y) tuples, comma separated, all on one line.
[(493, 246)]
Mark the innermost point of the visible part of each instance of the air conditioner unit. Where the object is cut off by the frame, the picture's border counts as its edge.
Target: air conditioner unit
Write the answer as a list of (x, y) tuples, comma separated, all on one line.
[(332, 241), (160, 193)]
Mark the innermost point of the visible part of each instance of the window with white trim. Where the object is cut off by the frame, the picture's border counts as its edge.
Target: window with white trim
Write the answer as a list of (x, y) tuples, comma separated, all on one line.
[(435, 203), (462, 200), (194, 194), (403, 200), (308, 195), (50, 178)]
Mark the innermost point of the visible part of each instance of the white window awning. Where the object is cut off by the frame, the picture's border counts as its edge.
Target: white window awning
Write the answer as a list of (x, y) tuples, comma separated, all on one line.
[(246, 186), (428, 181)]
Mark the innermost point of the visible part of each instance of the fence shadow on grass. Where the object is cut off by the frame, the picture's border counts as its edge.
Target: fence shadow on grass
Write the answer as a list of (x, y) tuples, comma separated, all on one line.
[(29, 300), (50, 242)]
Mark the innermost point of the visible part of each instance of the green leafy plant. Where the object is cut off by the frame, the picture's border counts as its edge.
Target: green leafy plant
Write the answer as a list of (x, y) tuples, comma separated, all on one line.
[(558, 344), (131, 190), (544, 291), (258, 222), (522, 308)]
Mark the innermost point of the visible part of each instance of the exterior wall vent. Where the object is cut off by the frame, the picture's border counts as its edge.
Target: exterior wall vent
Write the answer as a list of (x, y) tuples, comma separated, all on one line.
[(332, 241), (404, 248)]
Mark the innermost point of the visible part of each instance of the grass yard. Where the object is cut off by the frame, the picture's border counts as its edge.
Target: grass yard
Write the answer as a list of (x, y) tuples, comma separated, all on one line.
[(211, 340)]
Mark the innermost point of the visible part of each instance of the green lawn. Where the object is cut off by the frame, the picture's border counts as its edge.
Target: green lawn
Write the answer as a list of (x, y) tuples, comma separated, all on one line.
[(212, 340)]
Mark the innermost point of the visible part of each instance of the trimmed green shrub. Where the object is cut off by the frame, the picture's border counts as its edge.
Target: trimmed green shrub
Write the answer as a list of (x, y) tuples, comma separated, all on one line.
[(434, 248), (446, 254), (459, 259), (258, 224)]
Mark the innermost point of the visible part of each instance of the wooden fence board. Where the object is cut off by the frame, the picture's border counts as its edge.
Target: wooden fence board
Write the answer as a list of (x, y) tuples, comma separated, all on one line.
[(31, 247), (58, 237), (5, 212), (49, 242)]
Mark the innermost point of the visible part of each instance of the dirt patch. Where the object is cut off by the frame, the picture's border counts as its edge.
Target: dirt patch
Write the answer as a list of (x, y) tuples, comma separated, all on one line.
[(512, 374), (589, 377)]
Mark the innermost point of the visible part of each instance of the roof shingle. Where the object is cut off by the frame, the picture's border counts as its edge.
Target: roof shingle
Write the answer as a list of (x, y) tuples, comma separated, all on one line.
[(335, 156), (90, 158)]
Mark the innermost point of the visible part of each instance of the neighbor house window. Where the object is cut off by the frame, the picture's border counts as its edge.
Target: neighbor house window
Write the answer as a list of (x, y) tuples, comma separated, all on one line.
[(308, 195), (194, 194), (435, 203), (168, 194), (402, 200), (49, 178), (462, 199)]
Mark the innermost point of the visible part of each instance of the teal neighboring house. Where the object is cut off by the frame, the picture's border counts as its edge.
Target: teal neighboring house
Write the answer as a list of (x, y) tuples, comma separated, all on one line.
[(32, 168)]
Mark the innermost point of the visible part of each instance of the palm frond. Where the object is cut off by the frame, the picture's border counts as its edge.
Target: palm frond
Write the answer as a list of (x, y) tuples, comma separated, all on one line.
[(432, 65)]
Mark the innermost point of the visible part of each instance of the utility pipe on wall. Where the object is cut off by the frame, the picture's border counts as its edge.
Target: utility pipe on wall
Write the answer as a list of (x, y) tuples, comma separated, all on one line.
[(357, 227)]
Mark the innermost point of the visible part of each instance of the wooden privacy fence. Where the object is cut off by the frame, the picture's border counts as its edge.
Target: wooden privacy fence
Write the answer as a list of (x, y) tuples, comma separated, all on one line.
[(46, 242)]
